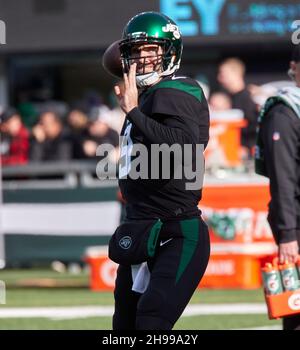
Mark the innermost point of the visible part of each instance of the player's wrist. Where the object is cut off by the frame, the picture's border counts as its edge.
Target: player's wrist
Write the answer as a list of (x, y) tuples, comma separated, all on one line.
[(132, 110)]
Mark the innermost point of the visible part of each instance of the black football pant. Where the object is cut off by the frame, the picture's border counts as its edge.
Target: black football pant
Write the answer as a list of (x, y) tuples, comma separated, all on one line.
[(176, 270)]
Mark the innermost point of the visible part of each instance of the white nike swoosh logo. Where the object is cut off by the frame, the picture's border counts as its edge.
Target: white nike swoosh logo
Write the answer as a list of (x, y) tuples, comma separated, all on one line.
[(163, 243)]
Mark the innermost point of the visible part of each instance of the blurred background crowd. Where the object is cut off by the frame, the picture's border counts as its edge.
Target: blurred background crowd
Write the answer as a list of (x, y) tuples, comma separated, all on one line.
[(39, 128), (55, 131), (56, 100)]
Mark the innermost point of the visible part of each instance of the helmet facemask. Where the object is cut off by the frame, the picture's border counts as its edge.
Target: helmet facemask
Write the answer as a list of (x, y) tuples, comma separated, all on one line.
[(162, 67)]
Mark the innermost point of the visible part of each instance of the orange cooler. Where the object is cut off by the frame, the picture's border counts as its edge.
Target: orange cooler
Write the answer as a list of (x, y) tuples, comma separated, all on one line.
[(286, 302)]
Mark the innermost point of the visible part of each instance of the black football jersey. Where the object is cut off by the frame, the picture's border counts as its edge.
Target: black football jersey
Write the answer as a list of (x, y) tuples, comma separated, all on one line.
[(174, 111)]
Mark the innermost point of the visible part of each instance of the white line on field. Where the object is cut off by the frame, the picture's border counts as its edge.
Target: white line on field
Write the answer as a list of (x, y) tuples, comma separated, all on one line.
[(263, 328), (76, 312), (225, 309)]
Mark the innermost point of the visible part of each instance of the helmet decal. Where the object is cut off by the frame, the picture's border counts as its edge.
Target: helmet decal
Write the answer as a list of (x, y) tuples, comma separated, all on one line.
[(172, 28)]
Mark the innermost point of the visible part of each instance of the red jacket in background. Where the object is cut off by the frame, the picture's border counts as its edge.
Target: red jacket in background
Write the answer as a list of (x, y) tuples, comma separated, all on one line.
[(18, 152)]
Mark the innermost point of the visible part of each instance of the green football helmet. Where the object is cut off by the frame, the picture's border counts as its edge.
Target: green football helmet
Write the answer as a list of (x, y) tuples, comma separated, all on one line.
[(152, 28)]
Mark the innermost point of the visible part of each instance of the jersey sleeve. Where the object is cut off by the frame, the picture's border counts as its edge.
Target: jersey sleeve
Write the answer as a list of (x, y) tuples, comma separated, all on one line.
[(177, 116), (281, 142), (188, 104)]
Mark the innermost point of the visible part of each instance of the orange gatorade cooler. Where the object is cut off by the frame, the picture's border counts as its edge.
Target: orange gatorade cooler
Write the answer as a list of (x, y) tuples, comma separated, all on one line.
[(282, 300)]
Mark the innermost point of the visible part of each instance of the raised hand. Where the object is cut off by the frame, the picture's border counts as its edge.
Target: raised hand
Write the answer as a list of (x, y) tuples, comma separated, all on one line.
[(126, 91)]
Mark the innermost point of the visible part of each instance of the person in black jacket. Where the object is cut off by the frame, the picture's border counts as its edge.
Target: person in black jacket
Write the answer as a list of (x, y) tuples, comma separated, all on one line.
[(50, 141), (231, 76), (160, 108), (278, 157)]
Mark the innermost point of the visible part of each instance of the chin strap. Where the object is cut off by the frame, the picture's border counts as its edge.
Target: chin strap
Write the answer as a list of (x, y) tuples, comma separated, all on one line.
[(147, 79), (151, 78)]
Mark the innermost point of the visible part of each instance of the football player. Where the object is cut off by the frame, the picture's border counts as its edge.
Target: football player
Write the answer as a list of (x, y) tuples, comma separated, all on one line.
[(277, 157), (161, 108)]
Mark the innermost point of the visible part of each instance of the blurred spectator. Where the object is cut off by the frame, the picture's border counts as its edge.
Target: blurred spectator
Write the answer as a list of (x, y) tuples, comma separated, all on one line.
[(27, 110), (116, 119), (219, 105), (50, 140), (30, 108), (93, 99), (260, 94), (78, 123), (219, 101), (117, 116), (14, 145), (232, 77), (60, 108), (99, 133)]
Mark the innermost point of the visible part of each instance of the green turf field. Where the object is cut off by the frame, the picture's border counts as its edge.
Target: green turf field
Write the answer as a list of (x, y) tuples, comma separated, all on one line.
[(37, 288)]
